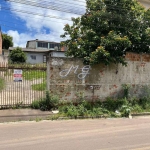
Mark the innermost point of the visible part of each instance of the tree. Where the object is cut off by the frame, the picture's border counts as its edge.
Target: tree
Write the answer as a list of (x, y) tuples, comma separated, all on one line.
[(7, 41), (107, 30), (17, 56)]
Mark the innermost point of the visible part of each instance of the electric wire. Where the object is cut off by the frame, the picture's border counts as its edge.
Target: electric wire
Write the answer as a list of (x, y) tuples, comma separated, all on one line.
[(54, 7)]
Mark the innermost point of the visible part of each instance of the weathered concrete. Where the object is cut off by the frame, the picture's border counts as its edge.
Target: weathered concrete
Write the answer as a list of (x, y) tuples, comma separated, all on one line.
[(103, 134), (9, 115), (100, 81)]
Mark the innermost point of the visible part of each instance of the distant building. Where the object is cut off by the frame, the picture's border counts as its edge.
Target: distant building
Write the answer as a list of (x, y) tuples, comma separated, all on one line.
[(37, 50)]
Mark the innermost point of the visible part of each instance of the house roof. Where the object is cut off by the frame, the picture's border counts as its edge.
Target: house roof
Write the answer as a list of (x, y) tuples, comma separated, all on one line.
[(42, 41)]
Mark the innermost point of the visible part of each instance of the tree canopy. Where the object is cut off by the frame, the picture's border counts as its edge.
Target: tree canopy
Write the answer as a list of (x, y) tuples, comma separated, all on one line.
[(107, 30), (17, 56), (7, 41)]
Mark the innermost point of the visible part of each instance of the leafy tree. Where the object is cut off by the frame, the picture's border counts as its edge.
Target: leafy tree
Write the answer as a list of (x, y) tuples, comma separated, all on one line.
[(7, 41), (107, 30), (17, 56)]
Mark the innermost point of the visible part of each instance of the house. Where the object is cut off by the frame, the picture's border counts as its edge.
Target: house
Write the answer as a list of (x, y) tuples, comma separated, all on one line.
[(37, 50), (3, 58)]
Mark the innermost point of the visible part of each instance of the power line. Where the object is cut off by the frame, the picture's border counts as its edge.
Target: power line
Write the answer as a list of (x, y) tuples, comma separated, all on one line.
[(54, 7), (35, 4), (30, 2), (31, 13), (55, 17)]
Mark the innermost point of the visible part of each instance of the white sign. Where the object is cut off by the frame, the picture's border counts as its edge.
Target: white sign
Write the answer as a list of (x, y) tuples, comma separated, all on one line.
[(17, 75)]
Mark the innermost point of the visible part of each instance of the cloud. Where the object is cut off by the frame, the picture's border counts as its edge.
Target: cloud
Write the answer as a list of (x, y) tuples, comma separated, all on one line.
[(44, 24), (20, 39)]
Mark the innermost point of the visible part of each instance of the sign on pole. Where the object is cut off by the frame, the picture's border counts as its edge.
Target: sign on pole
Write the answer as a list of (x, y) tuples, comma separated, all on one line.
[(17, 75)]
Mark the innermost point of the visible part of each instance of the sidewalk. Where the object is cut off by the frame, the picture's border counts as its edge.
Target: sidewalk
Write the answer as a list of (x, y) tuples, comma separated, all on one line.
[(22, 114)]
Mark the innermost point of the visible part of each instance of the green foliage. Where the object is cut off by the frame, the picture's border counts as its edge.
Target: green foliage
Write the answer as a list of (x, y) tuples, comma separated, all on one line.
[(125, 110), (17, 56), (35, 104), (144, 102), (33, 74), (72, 111), (7, 41), (18, 105), (48, 103), (137, 108), (39, 87), (2, 84), (114, 104), (126, 89), (107, 30)]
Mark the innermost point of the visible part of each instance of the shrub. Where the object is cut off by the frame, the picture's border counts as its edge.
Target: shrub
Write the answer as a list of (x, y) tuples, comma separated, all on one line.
[(48, 103), (144, 102), (126, 89), (113, 104), (125, 110), (82, 110), (35, 104), (72, 111), (17, 56)]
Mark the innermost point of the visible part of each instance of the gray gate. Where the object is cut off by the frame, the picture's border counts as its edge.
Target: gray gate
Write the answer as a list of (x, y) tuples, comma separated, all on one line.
[(20, 84)]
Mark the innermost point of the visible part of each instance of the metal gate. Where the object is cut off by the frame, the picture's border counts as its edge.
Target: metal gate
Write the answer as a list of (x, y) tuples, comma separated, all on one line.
[(20, 84)]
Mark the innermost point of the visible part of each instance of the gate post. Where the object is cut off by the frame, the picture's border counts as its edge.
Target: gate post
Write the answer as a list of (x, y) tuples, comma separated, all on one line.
[(48, 72)]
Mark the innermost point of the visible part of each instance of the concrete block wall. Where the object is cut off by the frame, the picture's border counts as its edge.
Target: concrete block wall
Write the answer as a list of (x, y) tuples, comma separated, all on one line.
[(100, 81)]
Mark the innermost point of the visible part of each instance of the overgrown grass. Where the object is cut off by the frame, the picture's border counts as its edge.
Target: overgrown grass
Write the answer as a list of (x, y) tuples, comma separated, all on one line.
[(48, 103), (2, 84), (39, 87), (83, 108), (33, 74)]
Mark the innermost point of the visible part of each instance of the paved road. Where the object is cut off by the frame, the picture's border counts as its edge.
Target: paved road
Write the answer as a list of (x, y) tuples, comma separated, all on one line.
[(103, 134)]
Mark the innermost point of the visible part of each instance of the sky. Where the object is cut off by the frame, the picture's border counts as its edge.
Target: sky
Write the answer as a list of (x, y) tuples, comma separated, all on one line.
[(26, 20)]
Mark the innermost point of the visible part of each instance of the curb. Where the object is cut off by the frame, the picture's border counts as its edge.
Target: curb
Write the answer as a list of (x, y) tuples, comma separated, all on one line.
[(137, 115), (22, 115)]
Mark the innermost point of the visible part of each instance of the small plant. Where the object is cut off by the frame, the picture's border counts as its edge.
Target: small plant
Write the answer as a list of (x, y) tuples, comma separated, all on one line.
[(144, 102), (136, 109), (35, 104), (80, 96), (114, 104), (48, 103), (82, 110), (18, 105), (38, 119), (126, 88), (125, 110), (72, 111)]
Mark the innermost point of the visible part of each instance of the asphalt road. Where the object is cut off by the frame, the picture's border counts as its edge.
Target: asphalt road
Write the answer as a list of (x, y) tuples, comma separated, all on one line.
[(102, 134)]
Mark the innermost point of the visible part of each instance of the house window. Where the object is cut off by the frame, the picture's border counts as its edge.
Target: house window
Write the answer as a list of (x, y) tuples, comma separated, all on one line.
[(44, 58), (33, 57), (53, 45), (42, 45)]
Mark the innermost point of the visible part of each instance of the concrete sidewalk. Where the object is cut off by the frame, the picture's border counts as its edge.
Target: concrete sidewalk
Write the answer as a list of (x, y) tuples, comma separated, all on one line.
[(22, 114)]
